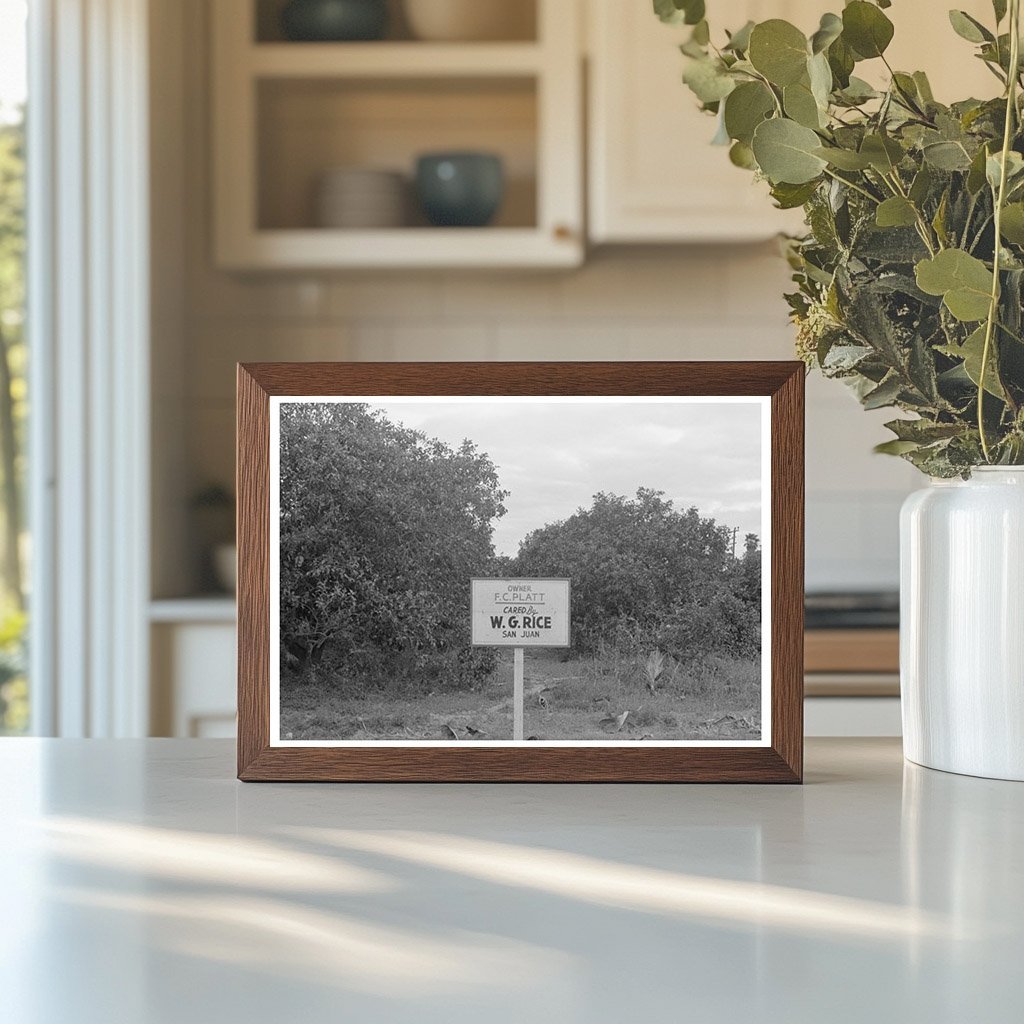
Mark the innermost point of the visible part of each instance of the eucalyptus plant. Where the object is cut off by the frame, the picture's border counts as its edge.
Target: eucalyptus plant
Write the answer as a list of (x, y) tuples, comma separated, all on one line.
[(910, 278)]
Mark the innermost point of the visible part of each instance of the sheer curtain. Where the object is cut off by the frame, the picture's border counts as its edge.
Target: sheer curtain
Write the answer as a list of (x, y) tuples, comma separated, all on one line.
[(88, 299)]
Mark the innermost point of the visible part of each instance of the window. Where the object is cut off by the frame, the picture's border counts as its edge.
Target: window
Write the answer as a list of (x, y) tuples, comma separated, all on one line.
[(14, 548)]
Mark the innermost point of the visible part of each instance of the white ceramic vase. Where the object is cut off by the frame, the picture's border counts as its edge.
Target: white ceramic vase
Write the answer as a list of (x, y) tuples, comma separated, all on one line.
[(962, 624)]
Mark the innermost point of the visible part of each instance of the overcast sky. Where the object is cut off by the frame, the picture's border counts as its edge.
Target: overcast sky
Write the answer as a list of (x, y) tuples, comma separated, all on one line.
[(554, 456)]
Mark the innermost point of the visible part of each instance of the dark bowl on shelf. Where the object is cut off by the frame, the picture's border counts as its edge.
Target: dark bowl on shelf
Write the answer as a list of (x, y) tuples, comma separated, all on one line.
[(333, 21), (461, 190)]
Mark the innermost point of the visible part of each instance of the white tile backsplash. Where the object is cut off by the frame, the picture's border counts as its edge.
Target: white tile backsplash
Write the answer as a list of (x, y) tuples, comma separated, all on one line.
[(717, 302)]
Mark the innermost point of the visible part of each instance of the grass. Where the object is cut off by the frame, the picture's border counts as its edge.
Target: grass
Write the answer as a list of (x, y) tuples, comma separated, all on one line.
[(572, 700)]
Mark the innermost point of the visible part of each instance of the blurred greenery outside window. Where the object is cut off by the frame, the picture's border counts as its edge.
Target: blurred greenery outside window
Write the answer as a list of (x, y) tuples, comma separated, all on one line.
[(14, 547)]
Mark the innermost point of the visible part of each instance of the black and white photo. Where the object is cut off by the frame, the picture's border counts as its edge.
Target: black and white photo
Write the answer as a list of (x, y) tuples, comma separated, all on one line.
[(504, 570)]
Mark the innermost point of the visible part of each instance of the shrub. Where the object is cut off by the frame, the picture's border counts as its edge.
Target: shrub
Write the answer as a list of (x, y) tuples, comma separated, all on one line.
[(646, 575), (381, 528)]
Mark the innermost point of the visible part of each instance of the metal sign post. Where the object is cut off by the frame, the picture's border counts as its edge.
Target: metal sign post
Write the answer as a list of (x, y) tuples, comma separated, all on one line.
[(517, 696), (519, 614)]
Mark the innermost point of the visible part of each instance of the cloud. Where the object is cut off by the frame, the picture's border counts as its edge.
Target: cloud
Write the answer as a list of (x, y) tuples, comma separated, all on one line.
[(554, 456)]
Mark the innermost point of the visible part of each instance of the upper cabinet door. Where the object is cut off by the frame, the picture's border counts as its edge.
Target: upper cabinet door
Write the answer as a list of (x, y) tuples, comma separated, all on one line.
[(653, 174)]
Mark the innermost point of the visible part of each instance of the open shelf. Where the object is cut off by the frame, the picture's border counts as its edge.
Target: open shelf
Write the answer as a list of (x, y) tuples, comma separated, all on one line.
[(286, 114), (520, 17), (405, 248), (393, 60), (308, 127)]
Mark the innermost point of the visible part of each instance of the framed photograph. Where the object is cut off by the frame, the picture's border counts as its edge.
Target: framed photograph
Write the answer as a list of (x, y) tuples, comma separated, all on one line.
[(517, 572)]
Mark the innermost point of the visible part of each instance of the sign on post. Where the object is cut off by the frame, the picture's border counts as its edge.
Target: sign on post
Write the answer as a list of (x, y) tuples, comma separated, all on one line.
[(519, 613)]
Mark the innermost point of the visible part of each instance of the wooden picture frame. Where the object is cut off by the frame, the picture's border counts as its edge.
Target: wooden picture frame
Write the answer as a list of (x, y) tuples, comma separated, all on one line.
[(779, 758)]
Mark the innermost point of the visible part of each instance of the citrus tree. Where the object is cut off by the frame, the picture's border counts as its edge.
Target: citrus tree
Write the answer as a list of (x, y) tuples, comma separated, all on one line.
[(381, 529)]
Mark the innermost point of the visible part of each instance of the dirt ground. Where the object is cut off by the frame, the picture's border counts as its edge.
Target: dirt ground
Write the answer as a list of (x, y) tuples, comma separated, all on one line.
[(565, 700)]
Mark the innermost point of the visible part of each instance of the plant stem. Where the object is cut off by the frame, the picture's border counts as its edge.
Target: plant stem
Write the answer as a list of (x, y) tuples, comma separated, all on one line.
[(771, 89), (981, 231), (856, 188), (923, 228), (1000, 199), (969, 217), (1012, 334)]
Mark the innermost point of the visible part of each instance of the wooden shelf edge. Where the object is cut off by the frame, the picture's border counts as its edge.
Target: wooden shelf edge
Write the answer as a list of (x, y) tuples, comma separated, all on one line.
[(852, 650), (212, 608), (392, 60), (407, 248), (851, 684)]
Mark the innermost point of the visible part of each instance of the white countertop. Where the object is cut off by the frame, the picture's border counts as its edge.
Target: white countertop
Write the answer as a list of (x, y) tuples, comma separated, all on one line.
[(143, 885)]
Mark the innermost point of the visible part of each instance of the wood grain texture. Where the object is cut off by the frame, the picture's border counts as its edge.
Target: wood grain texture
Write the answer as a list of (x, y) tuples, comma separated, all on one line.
[(781, 762), (788, 569), (252, 487), (852, 650)]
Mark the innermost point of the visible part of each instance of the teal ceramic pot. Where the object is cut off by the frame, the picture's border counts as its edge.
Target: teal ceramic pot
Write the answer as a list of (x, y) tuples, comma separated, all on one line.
[(461, 190), (332, 21)]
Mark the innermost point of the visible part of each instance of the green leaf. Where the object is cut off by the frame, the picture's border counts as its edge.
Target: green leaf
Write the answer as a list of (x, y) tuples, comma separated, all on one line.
[(858, 91), (746, 107), (1014, 169), (963, 281), (884, 395), (896, 447), (779, 51), (667, 11), (946, 156), (739, 41), (789, 197), (906, 90), (741, 155), (866, 29), (969, 28), (675, 12), (820, 76), (1012, 225), (785, 152), (896, 212), (921, 185), (924, 87), (924, 431), (800, 105), (971, 352), (841, 60), (844, 159), (708, 80), (997, 53), (882, 153), (939, 220), (830, 29), (694, 11), (976, 174)]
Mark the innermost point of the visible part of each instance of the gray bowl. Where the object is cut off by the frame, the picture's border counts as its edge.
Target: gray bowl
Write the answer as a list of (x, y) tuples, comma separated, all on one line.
[(461, 190), (334, 20)]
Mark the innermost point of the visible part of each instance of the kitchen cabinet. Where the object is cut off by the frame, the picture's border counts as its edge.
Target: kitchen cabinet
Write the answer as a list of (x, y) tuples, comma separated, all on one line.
[(192, 646), (286, 113), (653, 175)]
